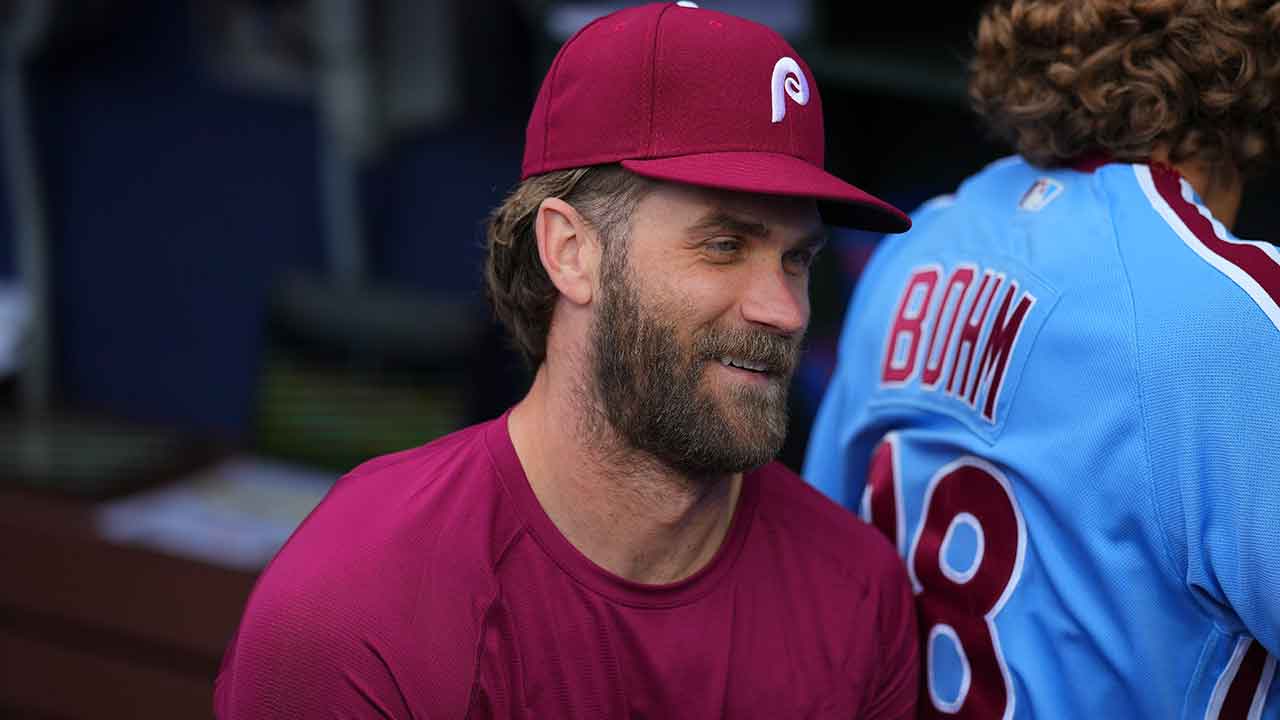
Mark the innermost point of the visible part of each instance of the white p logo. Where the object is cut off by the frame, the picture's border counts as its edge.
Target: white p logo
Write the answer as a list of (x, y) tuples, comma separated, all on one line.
[(788, 78)]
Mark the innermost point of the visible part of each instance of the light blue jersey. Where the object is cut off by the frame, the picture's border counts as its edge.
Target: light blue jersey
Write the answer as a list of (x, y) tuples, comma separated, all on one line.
[(1059, 395)]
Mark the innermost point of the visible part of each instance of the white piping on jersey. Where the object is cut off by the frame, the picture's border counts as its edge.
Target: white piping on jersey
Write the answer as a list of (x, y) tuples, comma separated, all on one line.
[(1228, 676), (899, 519), (1264, 685), (1225, 266), (1014, 577), (961, 577), (966, 673)]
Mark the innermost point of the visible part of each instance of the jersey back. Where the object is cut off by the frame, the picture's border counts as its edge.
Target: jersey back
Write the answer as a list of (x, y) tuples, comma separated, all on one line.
[(1059, 396)]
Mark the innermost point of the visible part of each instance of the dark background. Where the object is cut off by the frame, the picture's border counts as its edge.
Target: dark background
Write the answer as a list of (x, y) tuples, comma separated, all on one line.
[(255, 283), (191, 289)]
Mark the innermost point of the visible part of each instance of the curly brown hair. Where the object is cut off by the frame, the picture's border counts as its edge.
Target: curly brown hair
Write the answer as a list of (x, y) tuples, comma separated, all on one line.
[(1200, 78), (521, 293)]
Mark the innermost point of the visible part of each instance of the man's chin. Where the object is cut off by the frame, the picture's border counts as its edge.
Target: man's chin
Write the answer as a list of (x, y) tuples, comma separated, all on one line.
[(754, 404), (728, 463), (756, 435)]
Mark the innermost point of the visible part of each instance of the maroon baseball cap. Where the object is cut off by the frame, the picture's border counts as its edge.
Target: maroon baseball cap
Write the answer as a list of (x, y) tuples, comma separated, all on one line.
[(676, 92)]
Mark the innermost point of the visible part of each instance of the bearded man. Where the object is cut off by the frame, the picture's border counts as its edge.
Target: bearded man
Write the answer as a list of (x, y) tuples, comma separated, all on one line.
[(619, 544)]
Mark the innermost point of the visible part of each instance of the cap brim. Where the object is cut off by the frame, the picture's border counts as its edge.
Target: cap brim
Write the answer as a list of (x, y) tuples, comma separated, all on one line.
[(776, 174)]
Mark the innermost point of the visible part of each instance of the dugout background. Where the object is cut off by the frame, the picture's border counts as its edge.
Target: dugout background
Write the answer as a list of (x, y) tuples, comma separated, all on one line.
[(183, 150), (261, 225)]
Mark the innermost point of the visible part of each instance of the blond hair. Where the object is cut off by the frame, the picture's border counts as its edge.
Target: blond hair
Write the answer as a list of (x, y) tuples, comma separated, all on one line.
[(522, 295)]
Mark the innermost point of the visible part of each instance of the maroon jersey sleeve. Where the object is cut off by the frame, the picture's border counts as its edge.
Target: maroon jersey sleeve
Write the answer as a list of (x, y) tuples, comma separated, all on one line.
[(856, 588), (898, 688), (375, 606), (295, 657)]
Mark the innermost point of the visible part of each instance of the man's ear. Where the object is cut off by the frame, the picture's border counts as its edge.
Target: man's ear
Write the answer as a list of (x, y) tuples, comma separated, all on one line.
[(568, 248)]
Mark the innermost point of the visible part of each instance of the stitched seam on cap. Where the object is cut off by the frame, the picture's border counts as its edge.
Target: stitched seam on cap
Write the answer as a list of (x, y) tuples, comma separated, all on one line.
[(653, 79), (546, 111), (551, 86)]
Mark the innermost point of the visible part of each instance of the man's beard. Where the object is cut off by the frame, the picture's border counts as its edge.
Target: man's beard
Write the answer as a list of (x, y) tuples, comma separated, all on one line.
[(652, 390)]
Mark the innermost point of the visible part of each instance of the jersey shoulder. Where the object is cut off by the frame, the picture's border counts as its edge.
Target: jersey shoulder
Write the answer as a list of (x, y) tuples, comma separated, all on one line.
[(828, 535), (1207, 334), (1008, 197), (948, 314), (1206, 303), (409, 508), (402, 547)]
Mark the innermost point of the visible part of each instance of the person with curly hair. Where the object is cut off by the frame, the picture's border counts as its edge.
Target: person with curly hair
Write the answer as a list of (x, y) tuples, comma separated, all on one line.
[(1058, 393)]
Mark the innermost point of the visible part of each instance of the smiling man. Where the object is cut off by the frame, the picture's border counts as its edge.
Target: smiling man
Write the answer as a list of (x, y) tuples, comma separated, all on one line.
[(619, 544)]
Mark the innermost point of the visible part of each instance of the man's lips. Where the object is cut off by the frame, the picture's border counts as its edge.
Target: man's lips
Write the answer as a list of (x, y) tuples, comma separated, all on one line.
[(750, 369), (744, 364)]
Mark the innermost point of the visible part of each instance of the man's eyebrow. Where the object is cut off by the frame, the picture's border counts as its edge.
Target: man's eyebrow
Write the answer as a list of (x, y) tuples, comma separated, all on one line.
[(817, 239), (719, 220), (722, 221)]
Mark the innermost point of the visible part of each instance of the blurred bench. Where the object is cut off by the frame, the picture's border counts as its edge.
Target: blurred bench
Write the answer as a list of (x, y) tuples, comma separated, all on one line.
[(94, 629)]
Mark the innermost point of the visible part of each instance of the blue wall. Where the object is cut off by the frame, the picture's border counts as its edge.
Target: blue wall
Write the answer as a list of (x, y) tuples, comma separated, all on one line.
[(176, 204)]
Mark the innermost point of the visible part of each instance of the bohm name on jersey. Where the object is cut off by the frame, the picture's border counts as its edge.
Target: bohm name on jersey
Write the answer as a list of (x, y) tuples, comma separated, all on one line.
[(959, 337)]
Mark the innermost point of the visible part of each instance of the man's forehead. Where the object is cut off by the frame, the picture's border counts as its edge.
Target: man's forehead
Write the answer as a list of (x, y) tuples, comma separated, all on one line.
[(702, 207)]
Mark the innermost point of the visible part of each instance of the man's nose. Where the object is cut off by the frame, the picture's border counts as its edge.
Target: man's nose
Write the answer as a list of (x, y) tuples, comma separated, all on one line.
[(775, 299)]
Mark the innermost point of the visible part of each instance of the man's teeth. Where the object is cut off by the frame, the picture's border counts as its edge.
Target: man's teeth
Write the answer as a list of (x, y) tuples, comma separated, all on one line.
[(742, 364)]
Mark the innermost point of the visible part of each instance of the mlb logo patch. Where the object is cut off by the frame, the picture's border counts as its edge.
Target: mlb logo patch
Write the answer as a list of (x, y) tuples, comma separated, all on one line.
[(1042, 192)]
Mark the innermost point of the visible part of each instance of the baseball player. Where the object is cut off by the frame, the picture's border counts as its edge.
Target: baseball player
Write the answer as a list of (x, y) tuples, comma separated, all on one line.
[(619, 544), (1057, 395)]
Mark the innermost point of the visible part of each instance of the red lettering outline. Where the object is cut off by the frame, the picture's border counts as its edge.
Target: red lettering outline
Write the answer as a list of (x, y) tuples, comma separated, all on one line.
[(911, 323), (961, 277), (971, 333), (1001, 340)]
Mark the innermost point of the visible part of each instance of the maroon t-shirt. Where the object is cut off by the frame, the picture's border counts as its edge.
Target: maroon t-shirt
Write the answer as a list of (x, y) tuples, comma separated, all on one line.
[(431, 584)]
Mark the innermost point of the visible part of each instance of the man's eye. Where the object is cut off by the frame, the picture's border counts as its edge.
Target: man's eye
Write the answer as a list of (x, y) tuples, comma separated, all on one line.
[(800, 259), (724, 246)]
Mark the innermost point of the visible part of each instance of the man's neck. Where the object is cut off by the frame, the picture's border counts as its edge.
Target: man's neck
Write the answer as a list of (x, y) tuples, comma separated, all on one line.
[(627, 512), (1221, 188)]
